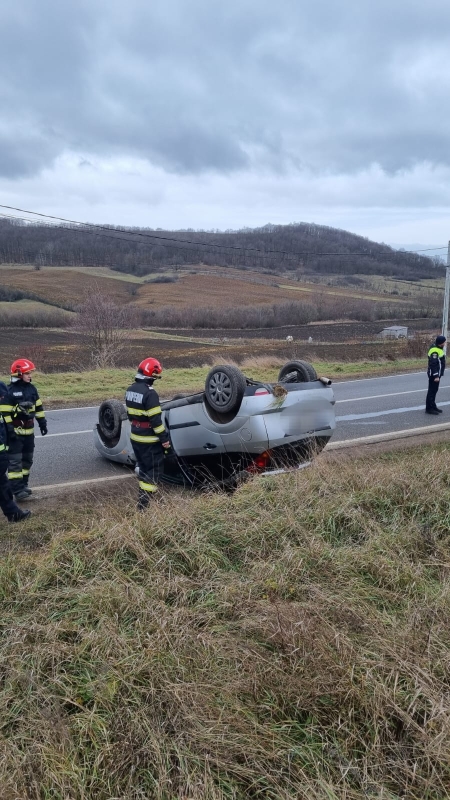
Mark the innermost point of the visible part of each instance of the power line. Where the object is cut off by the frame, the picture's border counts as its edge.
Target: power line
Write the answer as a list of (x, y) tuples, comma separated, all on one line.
[(99, 232), (177, 241)]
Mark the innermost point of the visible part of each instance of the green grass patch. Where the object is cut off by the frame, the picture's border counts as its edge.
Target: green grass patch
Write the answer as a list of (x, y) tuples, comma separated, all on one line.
[(291, 641), (93, 386), (30, 307)]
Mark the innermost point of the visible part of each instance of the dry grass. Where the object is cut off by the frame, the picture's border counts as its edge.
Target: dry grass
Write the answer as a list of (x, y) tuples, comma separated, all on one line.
[(32, 314), (290, 642), (65, 286), (197, 288), (201, 290)]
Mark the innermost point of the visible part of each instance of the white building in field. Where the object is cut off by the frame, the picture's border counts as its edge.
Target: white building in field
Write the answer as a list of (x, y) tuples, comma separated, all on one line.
[(394, 332)]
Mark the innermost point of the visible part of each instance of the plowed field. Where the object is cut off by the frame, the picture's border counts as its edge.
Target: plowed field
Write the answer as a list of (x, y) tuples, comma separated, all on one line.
[(61, 350)]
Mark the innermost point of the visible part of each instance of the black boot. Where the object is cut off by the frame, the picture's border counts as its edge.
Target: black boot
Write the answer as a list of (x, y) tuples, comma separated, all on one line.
[(144, 500), (22, 494), (18, 516)]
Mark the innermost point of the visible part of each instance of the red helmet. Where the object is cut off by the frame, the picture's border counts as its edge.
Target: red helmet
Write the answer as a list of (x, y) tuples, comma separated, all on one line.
[(150, 367), (20, 366)]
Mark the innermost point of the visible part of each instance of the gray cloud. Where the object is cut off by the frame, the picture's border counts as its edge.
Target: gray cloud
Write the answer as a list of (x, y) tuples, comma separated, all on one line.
[(200, 86)]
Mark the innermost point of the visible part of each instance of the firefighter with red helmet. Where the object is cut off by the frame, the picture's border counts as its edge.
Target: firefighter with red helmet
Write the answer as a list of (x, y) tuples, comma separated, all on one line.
[(20, 407), (149, 437), (11, 511)]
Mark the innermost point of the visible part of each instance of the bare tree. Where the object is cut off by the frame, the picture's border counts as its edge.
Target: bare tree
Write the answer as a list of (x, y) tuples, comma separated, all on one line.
[(104, 325), (39, 261)]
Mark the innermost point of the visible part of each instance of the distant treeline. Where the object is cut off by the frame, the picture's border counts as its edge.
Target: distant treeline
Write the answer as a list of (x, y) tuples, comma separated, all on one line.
[(33, 317), (279, 314), (301, 247)]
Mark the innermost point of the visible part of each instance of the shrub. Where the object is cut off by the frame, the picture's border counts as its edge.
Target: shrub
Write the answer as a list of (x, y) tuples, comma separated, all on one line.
[(163, 279)]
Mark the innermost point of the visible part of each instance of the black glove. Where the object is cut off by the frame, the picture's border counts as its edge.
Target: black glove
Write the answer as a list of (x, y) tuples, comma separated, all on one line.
[(25, 407), (169, 454), (43, 427)]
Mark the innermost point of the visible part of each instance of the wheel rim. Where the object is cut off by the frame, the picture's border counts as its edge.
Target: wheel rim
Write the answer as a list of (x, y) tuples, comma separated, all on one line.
[(220, 389), (292, 377), (108, 419)]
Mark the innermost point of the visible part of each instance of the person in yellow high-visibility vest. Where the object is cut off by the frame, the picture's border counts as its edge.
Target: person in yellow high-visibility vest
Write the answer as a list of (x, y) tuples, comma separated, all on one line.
[(435, 371)]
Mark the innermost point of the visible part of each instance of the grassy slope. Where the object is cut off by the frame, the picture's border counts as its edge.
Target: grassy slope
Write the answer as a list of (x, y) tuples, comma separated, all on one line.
[(196, 287), (290, 642), (27, 306), (65, 286), (93, 386)]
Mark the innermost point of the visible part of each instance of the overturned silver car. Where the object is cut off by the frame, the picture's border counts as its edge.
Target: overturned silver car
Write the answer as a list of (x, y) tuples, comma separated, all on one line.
[(235, 428)]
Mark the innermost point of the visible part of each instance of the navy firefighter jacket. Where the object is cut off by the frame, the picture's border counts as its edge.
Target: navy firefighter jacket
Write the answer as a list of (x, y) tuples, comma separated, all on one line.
[(21, 406), (144, 413)]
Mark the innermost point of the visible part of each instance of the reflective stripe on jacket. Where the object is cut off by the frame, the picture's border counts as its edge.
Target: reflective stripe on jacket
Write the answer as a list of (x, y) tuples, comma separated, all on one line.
[(20, 406), (6, 427), (3, 435), (436, 362), (144, 413)]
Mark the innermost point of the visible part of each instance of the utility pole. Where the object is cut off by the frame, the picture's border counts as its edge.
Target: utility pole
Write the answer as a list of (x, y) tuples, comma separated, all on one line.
[(446, 295)]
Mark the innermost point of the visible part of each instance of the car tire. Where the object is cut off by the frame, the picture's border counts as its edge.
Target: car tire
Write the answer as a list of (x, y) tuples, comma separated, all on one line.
[(224, 389), (297, 372), (110, 416)]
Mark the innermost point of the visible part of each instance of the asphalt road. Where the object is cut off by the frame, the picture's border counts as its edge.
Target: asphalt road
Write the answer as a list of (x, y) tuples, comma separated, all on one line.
[(363, 408)]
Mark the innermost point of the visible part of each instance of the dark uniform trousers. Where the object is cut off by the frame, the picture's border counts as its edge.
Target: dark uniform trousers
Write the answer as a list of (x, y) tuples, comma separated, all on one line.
[(7, 503), (21, 451), (430, 402), (150, 461)]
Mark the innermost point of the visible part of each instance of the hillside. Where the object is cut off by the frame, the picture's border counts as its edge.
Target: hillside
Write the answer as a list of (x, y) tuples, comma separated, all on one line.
[(224, 297), (289, 642), (300, 247)]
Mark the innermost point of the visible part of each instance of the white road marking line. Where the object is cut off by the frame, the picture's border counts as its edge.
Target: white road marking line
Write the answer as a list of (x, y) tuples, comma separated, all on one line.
[(382, 377), (85, 482), (76, 408), (65, 433), (387, 412), (391, 394)]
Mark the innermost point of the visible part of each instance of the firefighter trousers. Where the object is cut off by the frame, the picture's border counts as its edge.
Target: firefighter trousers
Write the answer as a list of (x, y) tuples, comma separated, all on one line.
[(150, 461), (21, 452), (7, 503)]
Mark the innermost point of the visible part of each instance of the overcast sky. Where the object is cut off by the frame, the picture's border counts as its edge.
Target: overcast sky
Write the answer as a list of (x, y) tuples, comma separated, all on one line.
[(207, 114)]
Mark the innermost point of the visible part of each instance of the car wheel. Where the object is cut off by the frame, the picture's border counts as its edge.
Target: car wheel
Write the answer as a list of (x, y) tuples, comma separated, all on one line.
[(297, 372), (110, 416), (224, 389)]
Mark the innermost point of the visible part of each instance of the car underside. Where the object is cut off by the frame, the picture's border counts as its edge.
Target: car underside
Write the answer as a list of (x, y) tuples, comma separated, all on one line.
[(235, 428)]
